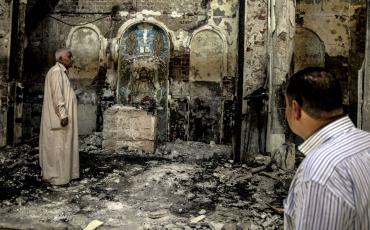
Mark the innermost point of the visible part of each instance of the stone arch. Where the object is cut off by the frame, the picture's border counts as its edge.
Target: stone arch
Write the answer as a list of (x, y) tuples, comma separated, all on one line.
[(87, 45), (208, 66), (309, 49), (128, 24), (88, 48), (208, 55)]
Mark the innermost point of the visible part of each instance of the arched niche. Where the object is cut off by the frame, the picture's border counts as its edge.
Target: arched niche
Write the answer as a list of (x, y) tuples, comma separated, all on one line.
[(309, 49), (143, 62), (208, 67), (88, 48), (85, 42), (208, 50)]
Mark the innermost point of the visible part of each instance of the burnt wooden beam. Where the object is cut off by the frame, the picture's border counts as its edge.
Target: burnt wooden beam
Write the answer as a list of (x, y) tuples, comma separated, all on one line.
[(239, 85)]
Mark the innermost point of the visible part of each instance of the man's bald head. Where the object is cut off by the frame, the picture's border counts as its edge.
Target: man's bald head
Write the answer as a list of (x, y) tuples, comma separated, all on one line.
[(64, 56)]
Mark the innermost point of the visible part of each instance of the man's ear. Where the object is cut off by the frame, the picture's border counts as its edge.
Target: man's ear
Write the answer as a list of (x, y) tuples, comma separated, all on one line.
[(297, 110)]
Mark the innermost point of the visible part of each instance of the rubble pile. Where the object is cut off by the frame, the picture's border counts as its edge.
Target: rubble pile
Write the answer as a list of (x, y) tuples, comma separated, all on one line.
[(92, 143), (19, 173), (193, 151), (183, 185)]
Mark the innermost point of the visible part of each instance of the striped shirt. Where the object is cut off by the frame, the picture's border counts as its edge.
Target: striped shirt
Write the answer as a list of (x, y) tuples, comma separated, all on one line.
[(331, 188)]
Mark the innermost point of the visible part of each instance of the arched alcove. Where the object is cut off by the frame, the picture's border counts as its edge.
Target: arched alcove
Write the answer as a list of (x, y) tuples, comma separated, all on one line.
[(85, 44), (309, 49), (208, 67), (207, 56), (143, 62), (88, 47)]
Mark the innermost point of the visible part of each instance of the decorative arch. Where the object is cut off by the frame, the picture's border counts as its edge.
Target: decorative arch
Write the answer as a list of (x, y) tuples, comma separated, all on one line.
[(88, 46), (309, 49), (132, 22), (143, 54), (208, 54)]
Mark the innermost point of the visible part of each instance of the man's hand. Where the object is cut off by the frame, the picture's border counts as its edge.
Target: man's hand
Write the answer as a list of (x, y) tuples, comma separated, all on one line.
[(64, 122)]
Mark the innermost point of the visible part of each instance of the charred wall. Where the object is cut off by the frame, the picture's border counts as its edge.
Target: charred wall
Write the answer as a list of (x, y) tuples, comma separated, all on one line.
[(341, 27), (201, 66), (324, 33), (202, 58), (254, 119), (5, 34)]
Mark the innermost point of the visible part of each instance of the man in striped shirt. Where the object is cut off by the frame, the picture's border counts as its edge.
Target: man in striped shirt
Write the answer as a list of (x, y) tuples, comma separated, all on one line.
[(331, 188)]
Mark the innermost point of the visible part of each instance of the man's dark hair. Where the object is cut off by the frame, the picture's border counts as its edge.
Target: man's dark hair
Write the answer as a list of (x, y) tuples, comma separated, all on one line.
[(317, 91)]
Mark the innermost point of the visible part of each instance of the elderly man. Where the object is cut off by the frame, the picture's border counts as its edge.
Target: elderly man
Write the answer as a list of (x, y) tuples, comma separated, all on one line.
[(331, 188), (59, 157)]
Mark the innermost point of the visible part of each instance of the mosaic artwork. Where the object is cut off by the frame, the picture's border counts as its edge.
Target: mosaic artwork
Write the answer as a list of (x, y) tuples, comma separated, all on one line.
[(144, 39)]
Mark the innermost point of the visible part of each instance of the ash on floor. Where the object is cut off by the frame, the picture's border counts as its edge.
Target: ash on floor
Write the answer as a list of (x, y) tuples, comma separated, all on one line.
[(183, 185)]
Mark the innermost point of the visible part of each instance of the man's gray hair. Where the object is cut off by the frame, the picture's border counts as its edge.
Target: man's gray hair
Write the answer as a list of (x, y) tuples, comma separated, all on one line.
[(59, 53)]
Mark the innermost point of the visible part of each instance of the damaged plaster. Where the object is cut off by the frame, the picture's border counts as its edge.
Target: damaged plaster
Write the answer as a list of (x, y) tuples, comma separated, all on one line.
[(281, 36), (331, 22), (88, 47), (339, 25), (5, 30), (194, 72), (208, 48), (180, 24), (309, 49)]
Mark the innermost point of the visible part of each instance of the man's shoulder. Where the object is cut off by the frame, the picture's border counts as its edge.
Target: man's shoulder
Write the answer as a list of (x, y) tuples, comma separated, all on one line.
[(54, 69), (320, 164)]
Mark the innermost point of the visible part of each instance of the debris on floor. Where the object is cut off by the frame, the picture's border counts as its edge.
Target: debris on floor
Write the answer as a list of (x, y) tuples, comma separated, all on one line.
[(183, 185)]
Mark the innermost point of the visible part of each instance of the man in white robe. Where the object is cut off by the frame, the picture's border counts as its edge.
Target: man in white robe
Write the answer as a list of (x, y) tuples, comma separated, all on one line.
[(58, 150)]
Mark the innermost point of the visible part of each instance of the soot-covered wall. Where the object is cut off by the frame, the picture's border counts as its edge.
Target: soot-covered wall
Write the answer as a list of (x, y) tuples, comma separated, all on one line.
[(178, 55)]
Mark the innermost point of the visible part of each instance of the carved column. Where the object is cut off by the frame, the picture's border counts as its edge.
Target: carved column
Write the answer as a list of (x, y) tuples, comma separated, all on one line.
[(281, 34)]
